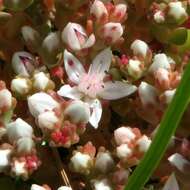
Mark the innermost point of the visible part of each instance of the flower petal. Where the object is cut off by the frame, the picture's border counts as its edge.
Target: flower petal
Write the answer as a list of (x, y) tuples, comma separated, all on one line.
[(116, 90), (73, 67), (70, 92), (171, 183), (96, 113), (101, 62)]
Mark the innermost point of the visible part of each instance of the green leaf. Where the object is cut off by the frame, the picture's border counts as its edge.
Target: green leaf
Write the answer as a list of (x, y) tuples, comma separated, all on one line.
[(166, 130), (18, 5)]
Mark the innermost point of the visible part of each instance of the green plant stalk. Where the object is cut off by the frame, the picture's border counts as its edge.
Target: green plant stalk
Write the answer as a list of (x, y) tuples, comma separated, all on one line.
[(162, 138)]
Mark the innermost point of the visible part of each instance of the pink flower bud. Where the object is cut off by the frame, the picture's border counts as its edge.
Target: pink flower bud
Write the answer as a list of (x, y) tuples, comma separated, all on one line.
[(76, 38), (112, 32), (5, 99), (120, 13)]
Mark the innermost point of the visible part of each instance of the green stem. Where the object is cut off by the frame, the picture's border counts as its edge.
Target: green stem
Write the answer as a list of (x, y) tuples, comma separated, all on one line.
[(162, 138)]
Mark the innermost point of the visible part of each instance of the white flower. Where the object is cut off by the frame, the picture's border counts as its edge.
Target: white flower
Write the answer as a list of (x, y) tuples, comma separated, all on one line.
[(81, 163), (139, 47), (41, 102), (123, 151), (23, 63), (143, 143), (25, 145), (98, 10), (104, 162), (112, 32), (176, 10), (160, 61), (41, 81), (4, 159), (102, 185), (76, 38), (78, 111), (5, 99), (123, 135), (134, 68), (47, 120), (90, 86), (37, 187), (171, 183), (18, 129), (21, 86)]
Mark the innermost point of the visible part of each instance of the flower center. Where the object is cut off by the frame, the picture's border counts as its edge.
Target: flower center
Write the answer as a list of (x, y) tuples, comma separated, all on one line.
[(91, 85)]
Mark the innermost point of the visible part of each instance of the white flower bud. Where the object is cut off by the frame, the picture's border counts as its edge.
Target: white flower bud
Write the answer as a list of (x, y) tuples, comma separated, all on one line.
[(123, 151), (148, 94), (23, 63), (41, 102), (37, 187), (104, 162), (102, 185), (168, 96), (112, 32), (18, 129), (159, 17), (134, 69), (139, 47), (81, 163), (5, 99), (21, 86), (160, 61), (123, 135), (98, 10), (143, 143), (119, 12), (25, 145), (47, 120), (64, 188), (4, 159), (78, 112), (18, 169), (176, 10)]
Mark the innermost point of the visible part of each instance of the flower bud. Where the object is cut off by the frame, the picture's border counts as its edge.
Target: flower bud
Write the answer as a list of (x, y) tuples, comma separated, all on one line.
[(120, 13), (5, 159), (37, 187), (159, 17), (23, 63), (41, 82), (123, 135), (112, 32), (123, 151), (143, 143), (25, 145), (41, 102), (76, 38), (160, 61), (21, 86), (47, 120), (176, 10), (64, 188), (140, 48), (19, 170), (81, 163), (78, 112), (101, 185), (5, 99), (134, 68), (18, 129), (104, 162), (98, 10), (167, 96)]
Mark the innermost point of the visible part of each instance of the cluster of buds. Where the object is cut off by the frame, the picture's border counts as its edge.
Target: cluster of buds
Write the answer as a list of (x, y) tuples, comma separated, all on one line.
[(18, 156), (7, 102), (170, 12), (29, 78), (46, 187), (131, 145), (60, 121)]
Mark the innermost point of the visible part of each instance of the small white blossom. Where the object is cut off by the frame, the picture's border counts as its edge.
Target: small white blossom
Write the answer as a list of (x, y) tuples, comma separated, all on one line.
[(5, 99), (143, 143), (123, 151)]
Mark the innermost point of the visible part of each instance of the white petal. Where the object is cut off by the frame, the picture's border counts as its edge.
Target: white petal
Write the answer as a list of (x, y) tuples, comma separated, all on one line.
[(40, 102), (116, 90), (101, 62), (70, 92), (96, 113), (73, 67), (90, 42), (171, 183)]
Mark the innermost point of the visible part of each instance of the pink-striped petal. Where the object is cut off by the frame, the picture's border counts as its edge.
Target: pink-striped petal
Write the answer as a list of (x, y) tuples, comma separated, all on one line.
[(101, 62), (96, 113), (73, 67), (70, 92), (116, 90)]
